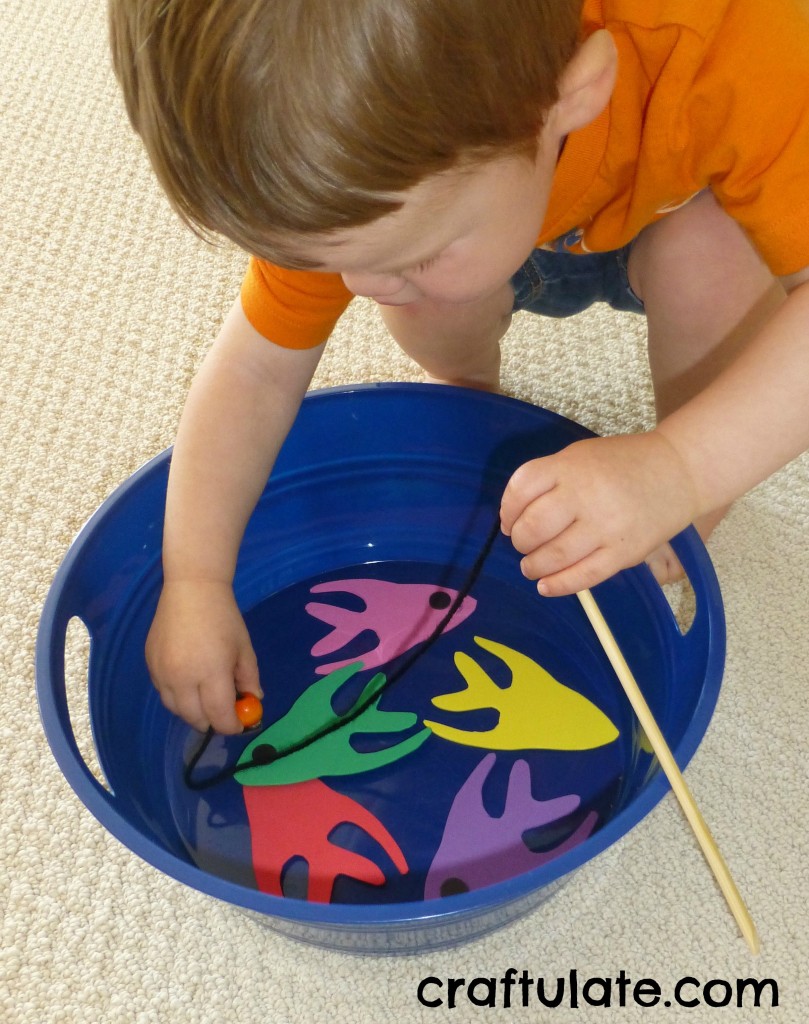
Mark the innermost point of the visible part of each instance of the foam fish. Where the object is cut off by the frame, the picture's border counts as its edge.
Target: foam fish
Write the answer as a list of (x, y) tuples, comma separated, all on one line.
[(477, 849), (288, 822), (536, 711), (332, 753), (401, 614)]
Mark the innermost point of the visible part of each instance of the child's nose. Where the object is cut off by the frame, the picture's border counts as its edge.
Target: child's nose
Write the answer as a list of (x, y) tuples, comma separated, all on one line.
[(375, 286)]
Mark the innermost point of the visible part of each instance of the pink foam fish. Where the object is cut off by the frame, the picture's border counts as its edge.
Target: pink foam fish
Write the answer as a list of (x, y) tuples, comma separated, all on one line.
[(401, 614)]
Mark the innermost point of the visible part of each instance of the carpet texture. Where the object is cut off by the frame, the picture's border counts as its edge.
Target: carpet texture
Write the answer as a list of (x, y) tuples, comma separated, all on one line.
[(108, 304)]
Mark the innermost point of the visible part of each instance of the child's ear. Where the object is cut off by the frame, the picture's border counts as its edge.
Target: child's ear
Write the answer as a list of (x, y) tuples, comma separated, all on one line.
[(586, 83)]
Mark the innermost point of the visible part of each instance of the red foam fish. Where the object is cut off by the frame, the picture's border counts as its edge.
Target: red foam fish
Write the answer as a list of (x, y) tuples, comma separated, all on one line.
[(288, 822)]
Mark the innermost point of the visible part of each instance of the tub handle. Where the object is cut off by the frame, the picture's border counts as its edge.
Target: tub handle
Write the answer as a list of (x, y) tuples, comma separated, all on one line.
[(708, 625), (53, 705)]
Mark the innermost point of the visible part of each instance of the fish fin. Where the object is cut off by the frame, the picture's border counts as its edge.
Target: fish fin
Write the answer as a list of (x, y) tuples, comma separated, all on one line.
[(463, 736), (365, 589), (344, 622), (380, 758), (480, 690)]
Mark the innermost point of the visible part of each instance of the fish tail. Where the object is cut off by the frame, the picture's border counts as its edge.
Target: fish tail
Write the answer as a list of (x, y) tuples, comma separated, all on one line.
[(343, 621)]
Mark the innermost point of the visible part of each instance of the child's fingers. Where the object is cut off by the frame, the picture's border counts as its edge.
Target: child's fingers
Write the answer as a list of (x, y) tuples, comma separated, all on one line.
[(167, 697), (218, 704), (247, 675), (186, 704), (590, 571), (528, 483), (543, 523), (565, 550)]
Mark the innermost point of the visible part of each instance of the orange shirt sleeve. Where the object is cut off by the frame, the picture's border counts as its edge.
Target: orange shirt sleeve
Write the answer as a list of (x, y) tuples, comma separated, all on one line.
[(292, 308)]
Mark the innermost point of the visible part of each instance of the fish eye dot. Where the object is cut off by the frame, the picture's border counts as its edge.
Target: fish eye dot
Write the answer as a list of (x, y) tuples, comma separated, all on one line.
[(440, 599), (453, 887), (264, 753)]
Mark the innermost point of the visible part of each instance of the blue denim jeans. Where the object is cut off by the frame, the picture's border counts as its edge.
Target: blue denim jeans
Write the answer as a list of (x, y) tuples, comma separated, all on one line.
[(562, 283)]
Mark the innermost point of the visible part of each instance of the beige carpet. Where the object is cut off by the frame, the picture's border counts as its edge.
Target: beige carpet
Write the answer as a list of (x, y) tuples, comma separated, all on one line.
[(107, 306)]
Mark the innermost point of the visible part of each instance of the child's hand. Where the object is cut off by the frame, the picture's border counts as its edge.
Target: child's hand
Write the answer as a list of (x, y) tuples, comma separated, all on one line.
[(596, 507), (199, 654)]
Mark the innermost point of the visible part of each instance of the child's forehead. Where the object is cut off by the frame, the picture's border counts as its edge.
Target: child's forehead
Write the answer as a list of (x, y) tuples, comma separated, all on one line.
[(424, 220), (420, 218), (382, 245), (432, 196)]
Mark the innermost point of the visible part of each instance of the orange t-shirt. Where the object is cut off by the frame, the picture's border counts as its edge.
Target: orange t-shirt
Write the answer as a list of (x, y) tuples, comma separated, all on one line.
[(709, 94)]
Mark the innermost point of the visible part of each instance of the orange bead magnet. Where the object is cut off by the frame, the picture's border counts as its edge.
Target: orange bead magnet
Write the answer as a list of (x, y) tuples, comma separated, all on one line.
[(249, 710)]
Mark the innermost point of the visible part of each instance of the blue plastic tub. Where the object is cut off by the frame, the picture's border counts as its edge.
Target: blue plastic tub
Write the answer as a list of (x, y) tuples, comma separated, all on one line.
[(506, 757)]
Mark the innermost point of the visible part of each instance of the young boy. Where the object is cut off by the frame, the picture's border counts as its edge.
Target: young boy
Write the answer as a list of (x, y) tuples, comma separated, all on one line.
[(457, 160)]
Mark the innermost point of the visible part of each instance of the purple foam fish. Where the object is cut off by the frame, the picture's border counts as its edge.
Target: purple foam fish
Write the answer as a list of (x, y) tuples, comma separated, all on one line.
[(401, 614), (477, 849)]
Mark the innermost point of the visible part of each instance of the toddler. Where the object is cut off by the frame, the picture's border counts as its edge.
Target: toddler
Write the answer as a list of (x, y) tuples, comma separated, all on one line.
[(457, 160)]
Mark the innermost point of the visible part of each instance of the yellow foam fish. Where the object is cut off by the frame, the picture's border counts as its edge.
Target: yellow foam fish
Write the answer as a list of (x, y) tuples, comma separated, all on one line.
[(536, 711)]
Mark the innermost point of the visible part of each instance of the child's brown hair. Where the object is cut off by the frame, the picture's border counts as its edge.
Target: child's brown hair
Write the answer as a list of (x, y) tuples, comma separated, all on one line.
[(269, 119)]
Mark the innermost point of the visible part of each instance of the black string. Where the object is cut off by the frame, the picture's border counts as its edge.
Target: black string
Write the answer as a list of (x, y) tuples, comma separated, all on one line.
[(268, 755)]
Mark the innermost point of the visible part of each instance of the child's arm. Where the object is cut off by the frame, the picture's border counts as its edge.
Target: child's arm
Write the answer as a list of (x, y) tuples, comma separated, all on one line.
[(605, 504), (238, 412)]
